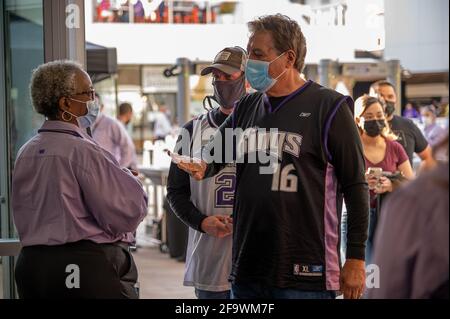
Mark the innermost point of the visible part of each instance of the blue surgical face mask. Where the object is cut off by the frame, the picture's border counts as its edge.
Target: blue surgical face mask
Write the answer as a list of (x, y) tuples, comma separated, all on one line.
[(257, 74), (89, 118)]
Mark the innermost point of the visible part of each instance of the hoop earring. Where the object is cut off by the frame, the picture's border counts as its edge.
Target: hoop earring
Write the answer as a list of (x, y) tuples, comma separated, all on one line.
[(64, 119)]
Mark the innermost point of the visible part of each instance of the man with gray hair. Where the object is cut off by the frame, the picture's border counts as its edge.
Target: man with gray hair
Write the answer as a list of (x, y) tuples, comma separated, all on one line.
[(286, 223)]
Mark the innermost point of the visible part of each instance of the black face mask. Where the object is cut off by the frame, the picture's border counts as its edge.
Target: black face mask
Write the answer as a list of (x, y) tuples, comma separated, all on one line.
[(226, 93), (374, 128), (389, 109)]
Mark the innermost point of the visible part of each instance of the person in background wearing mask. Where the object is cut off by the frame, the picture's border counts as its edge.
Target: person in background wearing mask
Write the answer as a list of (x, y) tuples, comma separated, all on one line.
[(286, 216), (411, 112), (125, 113), (74, 206), (409, 135), (206, 205), (433, 132), (111, 135), (380, 150)]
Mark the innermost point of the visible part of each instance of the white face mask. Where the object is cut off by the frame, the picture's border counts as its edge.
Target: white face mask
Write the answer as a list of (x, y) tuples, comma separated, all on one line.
[(89, 118)]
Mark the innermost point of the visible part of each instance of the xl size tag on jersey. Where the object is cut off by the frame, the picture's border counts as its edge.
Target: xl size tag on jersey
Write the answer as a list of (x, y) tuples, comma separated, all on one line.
[(308, 270)]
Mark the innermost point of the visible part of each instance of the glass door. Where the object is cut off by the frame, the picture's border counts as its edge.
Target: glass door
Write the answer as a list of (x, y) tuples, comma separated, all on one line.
[(21, 50)]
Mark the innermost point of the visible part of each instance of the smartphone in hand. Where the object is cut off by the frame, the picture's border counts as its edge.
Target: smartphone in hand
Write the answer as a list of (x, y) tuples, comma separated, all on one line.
[(374, 172)]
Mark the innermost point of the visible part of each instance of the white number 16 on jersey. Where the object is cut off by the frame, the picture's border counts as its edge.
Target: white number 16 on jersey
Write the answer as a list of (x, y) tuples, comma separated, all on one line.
[(283, 181)]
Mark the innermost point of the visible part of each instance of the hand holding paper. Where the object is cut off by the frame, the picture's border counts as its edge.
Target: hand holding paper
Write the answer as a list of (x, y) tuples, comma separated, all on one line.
[(193, 166)]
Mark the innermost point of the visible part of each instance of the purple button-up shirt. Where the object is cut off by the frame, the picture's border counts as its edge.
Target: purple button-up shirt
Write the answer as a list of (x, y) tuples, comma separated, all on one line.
[(113, 137), (66, 188)]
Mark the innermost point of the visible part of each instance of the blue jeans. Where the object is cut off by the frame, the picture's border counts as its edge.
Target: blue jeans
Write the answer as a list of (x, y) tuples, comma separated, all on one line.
[(373, 220), (205, 294), (260, 291)]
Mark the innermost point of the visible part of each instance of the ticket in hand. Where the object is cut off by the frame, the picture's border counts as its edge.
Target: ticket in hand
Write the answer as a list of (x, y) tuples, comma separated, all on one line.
[(177, 159)]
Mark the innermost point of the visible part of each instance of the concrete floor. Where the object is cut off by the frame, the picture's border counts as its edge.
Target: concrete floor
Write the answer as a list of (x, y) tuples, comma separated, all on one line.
[(160, 277)]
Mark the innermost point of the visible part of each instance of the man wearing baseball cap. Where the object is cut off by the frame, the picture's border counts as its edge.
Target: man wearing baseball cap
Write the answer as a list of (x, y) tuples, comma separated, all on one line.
[(206, 206)]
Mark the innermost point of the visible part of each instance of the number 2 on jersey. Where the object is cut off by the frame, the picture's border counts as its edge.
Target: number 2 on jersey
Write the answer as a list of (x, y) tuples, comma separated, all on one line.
[(224, 194)]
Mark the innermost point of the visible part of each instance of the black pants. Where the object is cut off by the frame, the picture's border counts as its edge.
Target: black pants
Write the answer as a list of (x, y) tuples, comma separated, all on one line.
[(76, 270), (177, 234)]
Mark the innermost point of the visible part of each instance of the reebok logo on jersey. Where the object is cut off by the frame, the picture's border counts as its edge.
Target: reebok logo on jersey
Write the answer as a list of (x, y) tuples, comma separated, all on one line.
[(305, 114)]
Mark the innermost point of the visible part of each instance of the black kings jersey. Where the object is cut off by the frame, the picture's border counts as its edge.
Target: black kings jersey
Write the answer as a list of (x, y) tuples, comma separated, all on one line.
[(287, 223)]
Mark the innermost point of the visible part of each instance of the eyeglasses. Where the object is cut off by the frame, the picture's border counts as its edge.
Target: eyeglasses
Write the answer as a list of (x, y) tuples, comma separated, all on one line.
[(90, 94)]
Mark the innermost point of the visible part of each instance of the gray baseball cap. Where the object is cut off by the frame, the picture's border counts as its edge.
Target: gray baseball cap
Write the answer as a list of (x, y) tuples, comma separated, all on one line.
[(229, 60)]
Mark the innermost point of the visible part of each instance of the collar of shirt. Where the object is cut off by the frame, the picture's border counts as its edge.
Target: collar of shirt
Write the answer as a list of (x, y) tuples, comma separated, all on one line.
[(60, 125)]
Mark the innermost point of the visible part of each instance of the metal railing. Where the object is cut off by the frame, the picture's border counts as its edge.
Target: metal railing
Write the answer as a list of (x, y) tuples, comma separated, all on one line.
[(164, 11)]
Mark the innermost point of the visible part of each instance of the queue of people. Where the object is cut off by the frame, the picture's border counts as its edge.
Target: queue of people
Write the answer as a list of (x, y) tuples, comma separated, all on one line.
[(263, 231), (257, 228), (383, 152)]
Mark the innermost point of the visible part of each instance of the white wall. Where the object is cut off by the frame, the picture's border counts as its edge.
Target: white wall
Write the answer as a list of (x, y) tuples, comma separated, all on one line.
[(163, 44), (417, 34)]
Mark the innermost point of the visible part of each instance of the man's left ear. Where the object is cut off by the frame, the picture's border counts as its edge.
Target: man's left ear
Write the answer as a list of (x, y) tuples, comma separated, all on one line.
[(291, 57)]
